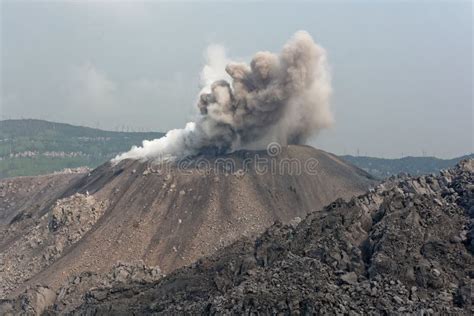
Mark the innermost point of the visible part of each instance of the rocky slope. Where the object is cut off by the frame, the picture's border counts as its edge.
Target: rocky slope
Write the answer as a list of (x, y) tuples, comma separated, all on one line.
[(405, 247), (165, 216), (22, 197), (67, 222)]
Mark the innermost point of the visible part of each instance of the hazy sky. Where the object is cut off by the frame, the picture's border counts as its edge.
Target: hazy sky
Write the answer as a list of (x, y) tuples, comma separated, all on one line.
[(402, 71)]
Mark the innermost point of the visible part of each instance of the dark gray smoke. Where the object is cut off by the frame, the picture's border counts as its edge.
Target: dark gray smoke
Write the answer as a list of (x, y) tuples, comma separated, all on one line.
[(277, 98)]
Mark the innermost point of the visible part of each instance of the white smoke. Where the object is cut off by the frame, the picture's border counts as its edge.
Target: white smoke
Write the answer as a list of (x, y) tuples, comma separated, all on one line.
[(277, 98), (214, 70)]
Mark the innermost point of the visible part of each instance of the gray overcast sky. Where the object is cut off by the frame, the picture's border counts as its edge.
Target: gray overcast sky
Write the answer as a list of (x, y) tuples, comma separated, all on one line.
[(402, 71)]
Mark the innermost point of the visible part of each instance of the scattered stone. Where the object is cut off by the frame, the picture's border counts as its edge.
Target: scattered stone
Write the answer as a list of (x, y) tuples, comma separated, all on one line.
[(349, 278)]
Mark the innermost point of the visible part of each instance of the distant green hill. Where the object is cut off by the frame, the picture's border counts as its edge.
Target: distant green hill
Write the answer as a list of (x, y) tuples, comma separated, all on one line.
[(383, 168), (32, 147)]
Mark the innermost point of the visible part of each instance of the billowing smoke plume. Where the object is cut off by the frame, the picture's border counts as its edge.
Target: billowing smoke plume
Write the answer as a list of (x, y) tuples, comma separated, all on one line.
[(277, 98)]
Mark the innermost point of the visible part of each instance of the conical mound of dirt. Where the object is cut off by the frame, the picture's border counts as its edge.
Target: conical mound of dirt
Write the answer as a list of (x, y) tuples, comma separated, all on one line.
[(169, 215), (405, 247)]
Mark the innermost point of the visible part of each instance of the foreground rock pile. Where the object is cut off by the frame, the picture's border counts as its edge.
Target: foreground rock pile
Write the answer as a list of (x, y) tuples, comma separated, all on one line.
[(404, 247), (46, 239), (36, 299)]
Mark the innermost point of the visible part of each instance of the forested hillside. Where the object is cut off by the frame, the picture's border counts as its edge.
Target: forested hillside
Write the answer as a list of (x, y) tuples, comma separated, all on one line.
[(31, 147), (383, 168)]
